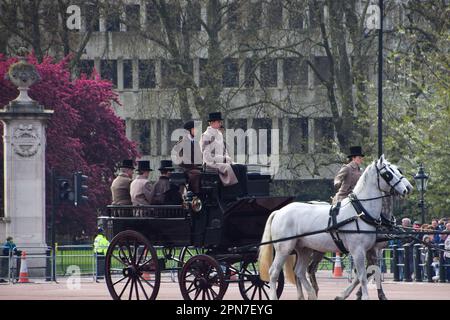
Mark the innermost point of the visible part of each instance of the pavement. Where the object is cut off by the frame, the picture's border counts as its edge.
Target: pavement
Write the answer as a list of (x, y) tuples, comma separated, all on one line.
[(329, 288)]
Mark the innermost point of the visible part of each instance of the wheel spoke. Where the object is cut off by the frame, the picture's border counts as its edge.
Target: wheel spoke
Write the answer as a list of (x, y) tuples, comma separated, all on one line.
[(142, 288), (118, 259), (265, 293), (214, 294), (131, 289), (197, 294), (252, 285), (119, 281), (140, 276), (123, 290), (254, 292), (189, 289), (136, 288)]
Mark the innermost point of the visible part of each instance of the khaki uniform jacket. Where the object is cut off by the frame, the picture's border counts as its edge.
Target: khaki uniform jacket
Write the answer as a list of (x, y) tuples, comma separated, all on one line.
[(216, 156), (120, 190), (182, 153), (346, 180), (140, 191)]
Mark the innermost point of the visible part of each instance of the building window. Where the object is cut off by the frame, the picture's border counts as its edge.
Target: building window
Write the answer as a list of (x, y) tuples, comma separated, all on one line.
[(133, 17), (128, 74), (174, 13), (147, 78), (295, 16), (298, 135), (275, 14), (314, 17), (295, 72), (170, 74), (268, 72), (151, 16), (92, 15), (85, 67), (323, 135), (322, 65), (250, 69), (172, 125), (264, 147), (140, 132), (193, 19), (236, 124), (233, 15), (113, 21), (230, 76), (108, 70), (254, 15)]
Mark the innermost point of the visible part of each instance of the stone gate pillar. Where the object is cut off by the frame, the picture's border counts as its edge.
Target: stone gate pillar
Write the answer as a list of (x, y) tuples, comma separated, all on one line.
[(24, 122)]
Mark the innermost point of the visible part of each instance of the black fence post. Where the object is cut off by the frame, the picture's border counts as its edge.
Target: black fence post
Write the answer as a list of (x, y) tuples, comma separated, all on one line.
[(48, 265), (429, 265), (395, 263), (407, 262), (417, 266), (442, 273)]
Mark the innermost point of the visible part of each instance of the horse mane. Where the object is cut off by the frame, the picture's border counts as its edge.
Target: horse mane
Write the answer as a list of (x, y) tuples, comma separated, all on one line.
[(363, 179)]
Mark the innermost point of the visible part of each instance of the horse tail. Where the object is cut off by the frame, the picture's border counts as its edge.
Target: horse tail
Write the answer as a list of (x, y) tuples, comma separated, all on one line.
[(265, 257)]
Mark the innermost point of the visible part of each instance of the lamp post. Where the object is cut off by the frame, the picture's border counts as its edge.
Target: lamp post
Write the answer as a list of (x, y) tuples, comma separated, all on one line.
[(421, 182)]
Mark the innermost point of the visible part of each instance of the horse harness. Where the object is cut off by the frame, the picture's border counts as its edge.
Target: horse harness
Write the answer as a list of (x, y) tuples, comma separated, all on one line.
[(362, 213)]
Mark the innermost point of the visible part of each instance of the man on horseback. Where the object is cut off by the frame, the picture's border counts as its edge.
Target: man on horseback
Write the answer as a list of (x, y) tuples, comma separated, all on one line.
[(349, 174)]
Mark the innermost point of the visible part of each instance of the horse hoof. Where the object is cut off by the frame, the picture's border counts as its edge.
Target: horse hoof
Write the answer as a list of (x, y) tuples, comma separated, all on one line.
[(339, 298), (358, 297), (382, 297)]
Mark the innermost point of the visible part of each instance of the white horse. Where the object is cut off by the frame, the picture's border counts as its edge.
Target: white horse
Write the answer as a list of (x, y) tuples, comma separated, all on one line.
[(302, 218), (373, 255)]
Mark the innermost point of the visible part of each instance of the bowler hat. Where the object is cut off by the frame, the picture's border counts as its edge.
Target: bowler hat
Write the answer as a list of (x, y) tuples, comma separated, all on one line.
[(189, 125), (127, 164), (214, 116), (355, 151), (144, 165), (166, 165)]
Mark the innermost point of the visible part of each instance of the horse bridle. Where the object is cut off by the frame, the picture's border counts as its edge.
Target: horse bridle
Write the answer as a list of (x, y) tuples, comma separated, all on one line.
[(387, 176)]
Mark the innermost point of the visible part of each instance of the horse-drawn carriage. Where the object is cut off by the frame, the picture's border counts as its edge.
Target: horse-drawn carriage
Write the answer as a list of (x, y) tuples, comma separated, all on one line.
[(193, 239)]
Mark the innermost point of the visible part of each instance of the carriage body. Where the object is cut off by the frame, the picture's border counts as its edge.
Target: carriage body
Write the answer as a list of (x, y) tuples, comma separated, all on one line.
[(225, 221)]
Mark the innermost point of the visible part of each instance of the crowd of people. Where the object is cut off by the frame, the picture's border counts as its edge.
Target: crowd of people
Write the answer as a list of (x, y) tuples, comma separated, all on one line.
[(434, 239)]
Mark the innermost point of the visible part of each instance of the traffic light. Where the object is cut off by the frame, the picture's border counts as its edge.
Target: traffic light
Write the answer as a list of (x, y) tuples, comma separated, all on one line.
[(80, 187), (65, 191)]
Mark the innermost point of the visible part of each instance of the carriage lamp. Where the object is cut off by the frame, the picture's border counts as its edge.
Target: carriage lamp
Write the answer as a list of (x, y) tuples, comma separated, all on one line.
[(421, 182)]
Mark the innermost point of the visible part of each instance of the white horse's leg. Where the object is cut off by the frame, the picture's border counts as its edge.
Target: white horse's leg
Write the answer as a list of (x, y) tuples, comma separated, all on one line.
[(274, 272), (359, 258), (303, 260), (347, 291)]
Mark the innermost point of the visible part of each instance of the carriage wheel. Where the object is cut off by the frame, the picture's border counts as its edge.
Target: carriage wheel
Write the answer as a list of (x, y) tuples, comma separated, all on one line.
[(252, 287), (132, 270), (202, 279), (185, 254)]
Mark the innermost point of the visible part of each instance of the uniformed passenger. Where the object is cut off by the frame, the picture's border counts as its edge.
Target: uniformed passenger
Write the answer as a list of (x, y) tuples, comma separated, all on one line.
[(141, 187), (163, 191), (349, 174), (188, 155), (215, 155), (120, 188)]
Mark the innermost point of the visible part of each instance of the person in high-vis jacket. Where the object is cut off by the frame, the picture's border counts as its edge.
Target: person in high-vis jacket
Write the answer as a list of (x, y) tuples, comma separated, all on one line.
[(101, 245)]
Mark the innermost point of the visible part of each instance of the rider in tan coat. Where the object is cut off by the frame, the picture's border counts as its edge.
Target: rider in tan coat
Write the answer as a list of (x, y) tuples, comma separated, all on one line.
[(120, 188), (348, 175)]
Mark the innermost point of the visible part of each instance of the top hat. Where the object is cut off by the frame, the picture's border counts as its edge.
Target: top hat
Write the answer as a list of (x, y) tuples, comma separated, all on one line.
[(144, 165), (127, 164), (214, 116), (355, 151), (166, 165), (189, 125)]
